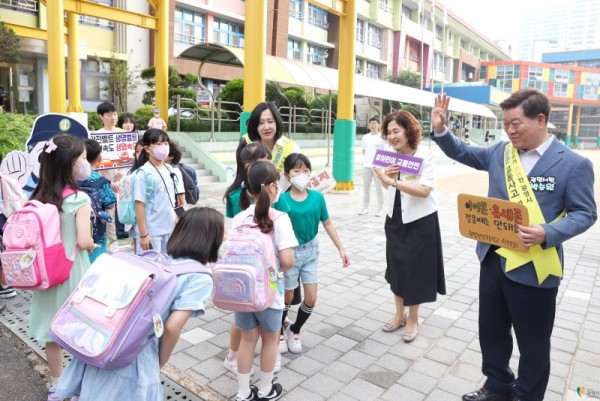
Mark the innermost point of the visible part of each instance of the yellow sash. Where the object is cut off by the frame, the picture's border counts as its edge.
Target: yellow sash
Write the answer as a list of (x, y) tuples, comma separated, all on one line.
[(545, 261), (280, 153)]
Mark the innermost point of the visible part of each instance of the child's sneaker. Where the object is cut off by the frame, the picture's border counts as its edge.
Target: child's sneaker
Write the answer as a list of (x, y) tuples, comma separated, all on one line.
[(52, 396), (7, 292), (294, 345), (253, 395), (274, 394), (283, 346), (231, 365)]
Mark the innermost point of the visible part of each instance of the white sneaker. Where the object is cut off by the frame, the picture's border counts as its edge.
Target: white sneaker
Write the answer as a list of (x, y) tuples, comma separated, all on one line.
[(364, 211), (283, 346), (231, 365), (277, 364), (294, 344), (379, 213)]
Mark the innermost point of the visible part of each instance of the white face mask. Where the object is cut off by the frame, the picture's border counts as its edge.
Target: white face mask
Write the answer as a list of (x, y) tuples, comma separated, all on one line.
[(277, 195), (300, 182), (85, 170)]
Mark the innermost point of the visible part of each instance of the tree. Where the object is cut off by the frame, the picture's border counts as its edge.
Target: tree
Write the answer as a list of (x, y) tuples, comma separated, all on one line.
[(179, 84), (119, 79), (9, 45), (406, 78), (233, 91)]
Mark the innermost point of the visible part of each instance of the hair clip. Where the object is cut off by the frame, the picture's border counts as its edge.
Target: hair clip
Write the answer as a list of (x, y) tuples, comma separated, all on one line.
[(50, 146), (262, 185)]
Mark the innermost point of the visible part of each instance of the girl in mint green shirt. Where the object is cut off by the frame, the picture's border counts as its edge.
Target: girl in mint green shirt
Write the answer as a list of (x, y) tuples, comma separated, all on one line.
[(306, 208)]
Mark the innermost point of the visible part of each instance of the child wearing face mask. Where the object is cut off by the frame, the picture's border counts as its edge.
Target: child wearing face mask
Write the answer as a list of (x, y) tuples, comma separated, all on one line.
[(306, 208), (62, 163), (156, 215)]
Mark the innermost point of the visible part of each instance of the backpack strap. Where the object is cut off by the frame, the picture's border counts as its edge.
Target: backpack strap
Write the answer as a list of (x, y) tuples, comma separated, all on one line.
[(150, 181)]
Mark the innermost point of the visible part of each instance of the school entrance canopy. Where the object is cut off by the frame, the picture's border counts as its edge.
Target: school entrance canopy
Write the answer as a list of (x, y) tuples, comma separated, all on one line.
[(291, 72)]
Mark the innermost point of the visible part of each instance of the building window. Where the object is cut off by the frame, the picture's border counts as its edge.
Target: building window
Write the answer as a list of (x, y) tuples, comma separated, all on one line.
[(358, 67), (592, 79), (360, 31), (189, 27), (383, 5), (438, 62), (535, 73), (372, 70), (228, 33), (374, 36), (561, 76), (26, 5), (504, 77), (406, 12), (317, 16), (560, 90), (315, 54), (439, 32), (83, 19), (590, 92), (294, 50), (296, 9), (93, 79)]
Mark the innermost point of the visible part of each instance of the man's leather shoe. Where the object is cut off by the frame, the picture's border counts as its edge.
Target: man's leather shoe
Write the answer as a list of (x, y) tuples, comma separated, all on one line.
[(484, 394)]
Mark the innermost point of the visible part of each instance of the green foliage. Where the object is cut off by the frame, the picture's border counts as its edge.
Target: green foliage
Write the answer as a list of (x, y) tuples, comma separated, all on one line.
[(296, 96), (142, 116), (120, 80), (16, 129), (233, 91), (406, 78), (182, 84), (94, 121), (322, 102), (9, 45)]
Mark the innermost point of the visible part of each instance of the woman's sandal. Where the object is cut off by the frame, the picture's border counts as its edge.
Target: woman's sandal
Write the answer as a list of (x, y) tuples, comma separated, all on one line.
[(389, 326)]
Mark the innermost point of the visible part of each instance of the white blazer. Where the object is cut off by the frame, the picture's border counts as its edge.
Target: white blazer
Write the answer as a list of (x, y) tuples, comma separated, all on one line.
[(413, 207)]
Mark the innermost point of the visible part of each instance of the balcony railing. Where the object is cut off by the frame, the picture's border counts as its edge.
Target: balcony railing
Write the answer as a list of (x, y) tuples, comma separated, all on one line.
[(318, 22), (296, 14), (189, 39), (27, 5)]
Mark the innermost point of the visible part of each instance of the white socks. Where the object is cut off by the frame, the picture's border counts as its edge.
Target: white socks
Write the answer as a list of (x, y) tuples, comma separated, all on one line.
[(265, 383), (243, 385)]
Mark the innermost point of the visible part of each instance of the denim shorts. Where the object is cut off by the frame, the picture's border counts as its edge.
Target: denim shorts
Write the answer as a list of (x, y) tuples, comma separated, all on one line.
[(269, 319), (306, 265)]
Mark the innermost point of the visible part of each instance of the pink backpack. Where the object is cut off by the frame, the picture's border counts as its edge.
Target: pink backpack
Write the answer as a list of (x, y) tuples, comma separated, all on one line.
[(246, 279), (110, 317), (35, 257)]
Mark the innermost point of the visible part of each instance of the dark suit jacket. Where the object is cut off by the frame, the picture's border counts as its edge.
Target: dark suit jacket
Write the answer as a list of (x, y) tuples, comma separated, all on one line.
[(573, 192)]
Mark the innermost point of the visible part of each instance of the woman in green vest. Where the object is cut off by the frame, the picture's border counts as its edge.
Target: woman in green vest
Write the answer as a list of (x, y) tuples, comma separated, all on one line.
[(265, 126)]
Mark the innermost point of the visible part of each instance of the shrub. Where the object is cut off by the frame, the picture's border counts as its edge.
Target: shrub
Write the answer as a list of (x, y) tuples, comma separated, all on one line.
[(16, 129), (94, 121)]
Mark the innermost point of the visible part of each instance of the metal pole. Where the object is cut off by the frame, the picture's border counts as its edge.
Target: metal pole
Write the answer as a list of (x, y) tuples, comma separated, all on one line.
[(177, 111), (329, 131), (219, 115)]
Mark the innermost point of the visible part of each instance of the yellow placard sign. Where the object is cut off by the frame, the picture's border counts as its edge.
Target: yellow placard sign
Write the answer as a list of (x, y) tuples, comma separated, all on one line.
[(493, 221)]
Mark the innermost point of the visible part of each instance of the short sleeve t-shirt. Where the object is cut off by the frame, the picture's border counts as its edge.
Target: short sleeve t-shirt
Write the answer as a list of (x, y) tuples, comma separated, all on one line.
[(160, 217), (370, 143), (305, 215)]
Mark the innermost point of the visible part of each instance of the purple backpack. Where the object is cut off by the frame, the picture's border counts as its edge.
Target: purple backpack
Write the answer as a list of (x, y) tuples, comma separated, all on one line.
[(108, 320)]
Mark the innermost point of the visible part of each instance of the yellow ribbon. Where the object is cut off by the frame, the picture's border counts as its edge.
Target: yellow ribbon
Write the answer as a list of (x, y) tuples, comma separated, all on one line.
[(545, 261)]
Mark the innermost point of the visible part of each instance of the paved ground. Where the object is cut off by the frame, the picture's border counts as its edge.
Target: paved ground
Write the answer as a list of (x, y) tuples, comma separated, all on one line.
[(345, 354)]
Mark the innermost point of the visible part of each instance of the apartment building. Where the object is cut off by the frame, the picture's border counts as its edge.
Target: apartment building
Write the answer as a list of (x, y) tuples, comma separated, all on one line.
[(391, 36)]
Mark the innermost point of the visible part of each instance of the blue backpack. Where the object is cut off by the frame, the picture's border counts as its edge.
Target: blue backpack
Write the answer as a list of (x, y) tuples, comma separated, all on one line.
[(98, 216), (126, 199)]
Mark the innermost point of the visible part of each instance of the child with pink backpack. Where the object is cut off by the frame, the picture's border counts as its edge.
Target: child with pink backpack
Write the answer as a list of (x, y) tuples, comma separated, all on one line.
[(195, 238), (62, 163), (262, 183)]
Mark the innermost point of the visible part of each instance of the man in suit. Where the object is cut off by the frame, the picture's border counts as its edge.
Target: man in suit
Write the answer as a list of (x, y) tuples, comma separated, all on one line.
[(516, 289)]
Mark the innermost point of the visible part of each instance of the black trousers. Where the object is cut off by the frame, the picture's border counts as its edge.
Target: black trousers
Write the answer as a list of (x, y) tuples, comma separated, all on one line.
[(530, 311)]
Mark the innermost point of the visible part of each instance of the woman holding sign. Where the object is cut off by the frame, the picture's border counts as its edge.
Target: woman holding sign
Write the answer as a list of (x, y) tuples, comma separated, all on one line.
[(415, 265)]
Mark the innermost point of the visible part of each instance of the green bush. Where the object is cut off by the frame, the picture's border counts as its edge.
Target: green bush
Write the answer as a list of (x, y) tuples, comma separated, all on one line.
[(233, 91), (94, 121), (16, 129), (142, 116)]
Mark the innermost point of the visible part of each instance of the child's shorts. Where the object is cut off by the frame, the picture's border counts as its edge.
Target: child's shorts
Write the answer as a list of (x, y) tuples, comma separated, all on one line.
[(306, 265), (269, 319)]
